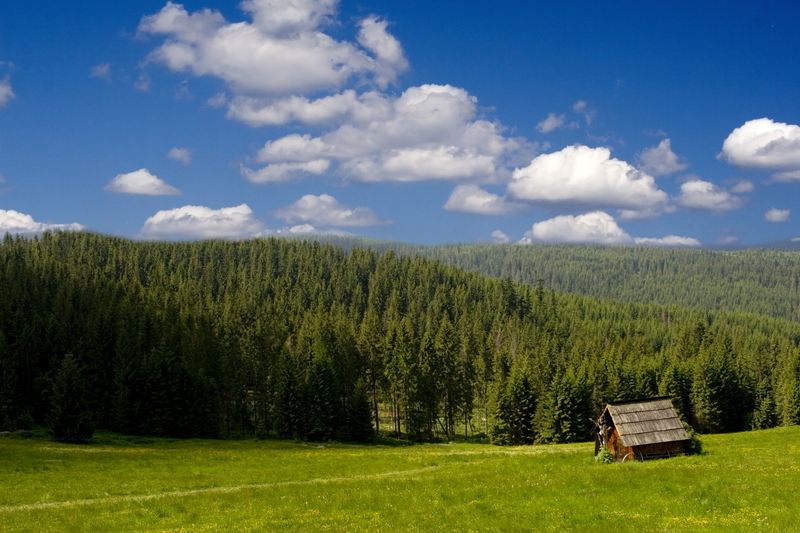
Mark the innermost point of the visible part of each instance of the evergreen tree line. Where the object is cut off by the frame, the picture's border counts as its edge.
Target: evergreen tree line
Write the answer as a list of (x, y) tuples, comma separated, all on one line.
[(297, 339), (765, 282)]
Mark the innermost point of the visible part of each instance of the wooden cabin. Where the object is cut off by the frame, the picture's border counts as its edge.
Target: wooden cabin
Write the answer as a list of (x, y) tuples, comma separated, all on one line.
[(641, 429)]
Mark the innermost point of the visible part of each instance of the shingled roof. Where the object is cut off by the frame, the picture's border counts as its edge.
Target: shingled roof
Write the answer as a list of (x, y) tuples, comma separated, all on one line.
[(651, 421)]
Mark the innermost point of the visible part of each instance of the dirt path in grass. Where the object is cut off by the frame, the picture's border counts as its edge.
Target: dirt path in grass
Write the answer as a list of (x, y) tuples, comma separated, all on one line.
[(217, 490)]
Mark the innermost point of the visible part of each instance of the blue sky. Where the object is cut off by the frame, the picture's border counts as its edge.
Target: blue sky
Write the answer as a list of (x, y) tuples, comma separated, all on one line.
[(613, 122)]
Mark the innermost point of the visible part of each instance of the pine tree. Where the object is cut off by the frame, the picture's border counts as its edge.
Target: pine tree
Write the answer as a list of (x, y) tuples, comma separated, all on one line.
[(70, 419), (288, 400), (521, 408), (565, 414), (322, 411), (359, 415), (765, 415)]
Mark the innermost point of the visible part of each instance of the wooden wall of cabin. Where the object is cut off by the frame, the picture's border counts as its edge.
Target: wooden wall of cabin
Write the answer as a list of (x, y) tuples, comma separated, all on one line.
[(615, 446), (676, 447)]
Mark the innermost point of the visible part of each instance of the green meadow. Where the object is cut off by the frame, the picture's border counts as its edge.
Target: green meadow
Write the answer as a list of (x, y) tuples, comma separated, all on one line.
[(741, 482)]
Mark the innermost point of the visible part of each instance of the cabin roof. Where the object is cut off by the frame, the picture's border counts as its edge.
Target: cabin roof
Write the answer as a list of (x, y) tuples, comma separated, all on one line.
[(648, 421)]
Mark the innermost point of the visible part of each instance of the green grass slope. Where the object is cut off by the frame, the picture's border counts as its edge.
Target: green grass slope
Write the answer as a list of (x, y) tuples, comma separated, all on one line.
[(743, 482)]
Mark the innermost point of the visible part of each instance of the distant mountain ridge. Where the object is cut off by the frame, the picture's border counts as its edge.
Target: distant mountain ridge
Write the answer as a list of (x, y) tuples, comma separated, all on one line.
[(764, 281)]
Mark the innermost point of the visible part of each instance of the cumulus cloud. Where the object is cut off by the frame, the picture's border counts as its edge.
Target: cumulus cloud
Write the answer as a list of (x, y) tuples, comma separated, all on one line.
[(776, 215), (198, 222), (365, 107), (661, 160), (15, 222), (181, 155), (499, 237), (280, 172), (391, 59), (763, 144), (6, 93), (325, 210), (698, 194), (140, 182), (428, 132), (284, 36), (587, 176), (552, 122), (473, 199), (597, 228), (101, 71)]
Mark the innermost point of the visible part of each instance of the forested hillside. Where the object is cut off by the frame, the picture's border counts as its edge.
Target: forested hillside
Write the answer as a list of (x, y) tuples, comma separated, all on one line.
[(298, 339), (760, 281)]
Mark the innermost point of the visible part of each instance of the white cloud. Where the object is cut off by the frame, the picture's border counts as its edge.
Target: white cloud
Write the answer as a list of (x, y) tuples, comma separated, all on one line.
[(598, 228), (660, 160), (140, 182), (499, 237), (670, 241), (793, 175), (325, 210), (698, 194), (101, 71), (429, 132), (777, 215), (473, 199), (15, 222), (552, 122), (301, 228), (284, 37), (586, 176), (280, 172), (763, 144), (362, 108), (181, 155), (389, 54), (741, 186), (198, 222), (6, 93)]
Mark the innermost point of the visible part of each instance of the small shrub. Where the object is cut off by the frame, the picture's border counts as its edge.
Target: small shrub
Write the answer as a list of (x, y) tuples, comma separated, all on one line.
[(25, 421), (695, 445), (262, 431), (604, 456)]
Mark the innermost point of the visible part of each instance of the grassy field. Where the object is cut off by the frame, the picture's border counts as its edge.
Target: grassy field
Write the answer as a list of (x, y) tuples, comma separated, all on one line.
[(742, 482)]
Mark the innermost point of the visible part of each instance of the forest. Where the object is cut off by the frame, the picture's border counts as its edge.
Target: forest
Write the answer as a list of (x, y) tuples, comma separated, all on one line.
[(761, 281), (294, 339)]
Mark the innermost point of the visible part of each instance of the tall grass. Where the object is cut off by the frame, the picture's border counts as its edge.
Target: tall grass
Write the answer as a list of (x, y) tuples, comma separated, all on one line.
[(742, 482)]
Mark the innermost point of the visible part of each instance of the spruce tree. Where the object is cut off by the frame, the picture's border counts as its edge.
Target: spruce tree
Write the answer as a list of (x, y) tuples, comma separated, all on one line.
[(322, 410), (287, 400), (565, 415), (359, 415), (70, 418)]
